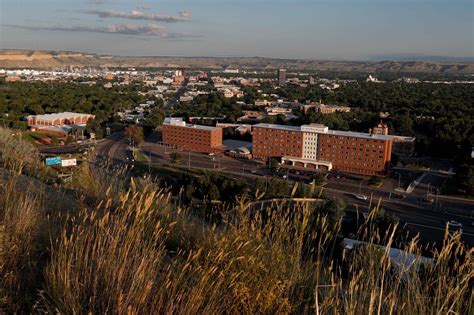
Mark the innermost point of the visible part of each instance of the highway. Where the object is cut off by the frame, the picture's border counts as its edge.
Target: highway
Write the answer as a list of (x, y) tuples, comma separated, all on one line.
[(418, 217)]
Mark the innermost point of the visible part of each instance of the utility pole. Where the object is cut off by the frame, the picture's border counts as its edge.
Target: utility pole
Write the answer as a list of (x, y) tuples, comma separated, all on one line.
[(189, 159), (149, 163), (437, 198), (360, 188)]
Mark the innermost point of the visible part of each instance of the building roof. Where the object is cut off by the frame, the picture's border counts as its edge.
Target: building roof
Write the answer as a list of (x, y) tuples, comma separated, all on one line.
[(280, 127), (55, 116), (359, 135), (180, 123), (333, 132), (232, 144)]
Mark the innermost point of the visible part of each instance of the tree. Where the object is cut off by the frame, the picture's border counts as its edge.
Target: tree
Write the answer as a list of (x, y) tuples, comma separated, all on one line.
[(175, 157), (93, 126), (213, 192), (155, 119), (303, 191), (334, 209), (135, 133), (406, 125), (375, 180), (273, 163), (385, 221), (318, 179)]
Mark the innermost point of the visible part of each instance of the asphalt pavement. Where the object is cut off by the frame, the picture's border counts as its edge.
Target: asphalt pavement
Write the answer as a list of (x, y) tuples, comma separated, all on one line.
[(418, 217)]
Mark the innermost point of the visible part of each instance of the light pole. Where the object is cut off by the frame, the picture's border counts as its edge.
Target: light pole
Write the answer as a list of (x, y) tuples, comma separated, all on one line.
[(149, 162)]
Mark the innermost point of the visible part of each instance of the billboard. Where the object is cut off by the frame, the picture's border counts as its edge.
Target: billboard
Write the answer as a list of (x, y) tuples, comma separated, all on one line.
[(53, 161), (70, 162)]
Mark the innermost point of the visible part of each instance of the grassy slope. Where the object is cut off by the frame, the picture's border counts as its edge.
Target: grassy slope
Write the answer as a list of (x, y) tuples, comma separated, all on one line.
[(132, 250)]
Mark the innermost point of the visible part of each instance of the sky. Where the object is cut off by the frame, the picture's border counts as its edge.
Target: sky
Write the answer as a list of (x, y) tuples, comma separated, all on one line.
[(309, 29)]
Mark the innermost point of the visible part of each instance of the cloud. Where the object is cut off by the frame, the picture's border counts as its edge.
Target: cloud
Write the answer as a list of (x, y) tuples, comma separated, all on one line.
[(124, 29), (139, 15), (185, 14), (142, 8)]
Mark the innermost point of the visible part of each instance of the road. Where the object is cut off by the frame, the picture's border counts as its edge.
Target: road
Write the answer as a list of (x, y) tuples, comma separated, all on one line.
[(427, 219), (113, 148)]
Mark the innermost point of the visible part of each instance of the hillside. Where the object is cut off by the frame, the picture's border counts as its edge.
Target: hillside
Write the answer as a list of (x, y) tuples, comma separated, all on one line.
[(109, 243), (13, 59)]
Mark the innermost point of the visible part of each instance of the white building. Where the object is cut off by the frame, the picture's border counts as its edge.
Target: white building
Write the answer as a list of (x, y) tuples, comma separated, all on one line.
[(310, 140)]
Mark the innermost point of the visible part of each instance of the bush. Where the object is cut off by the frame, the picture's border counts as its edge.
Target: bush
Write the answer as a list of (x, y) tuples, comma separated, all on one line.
[(375, 180), (15, 153), (175, 157)]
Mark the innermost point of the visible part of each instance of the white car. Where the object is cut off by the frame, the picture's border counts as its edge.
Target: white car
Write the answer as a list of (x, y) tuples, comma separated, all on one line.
[(211, 154), (454, 224), (361, 197)]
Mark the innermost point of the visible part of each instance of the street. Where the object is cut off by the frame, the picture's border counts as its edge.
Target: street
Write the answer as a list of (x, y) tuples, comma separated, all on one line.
[(419, 217)]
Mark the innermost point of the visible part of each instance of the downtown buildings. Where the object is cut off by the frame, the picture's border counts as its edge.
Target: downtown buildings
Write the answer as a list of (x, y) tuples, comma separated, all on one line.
[(281, 77), (316, 147)]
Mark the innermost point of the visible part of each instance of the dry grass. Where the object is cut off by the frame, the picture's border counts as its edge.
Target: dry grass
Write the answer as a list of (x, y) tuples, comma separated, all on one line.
[(135, 251)]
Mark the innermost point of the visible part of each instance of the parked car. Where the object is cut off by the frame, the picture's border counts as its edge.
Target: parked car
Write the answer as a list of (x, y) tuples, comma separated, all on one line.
[(337, 176), (399, 196), (361, 197), (454, 224)]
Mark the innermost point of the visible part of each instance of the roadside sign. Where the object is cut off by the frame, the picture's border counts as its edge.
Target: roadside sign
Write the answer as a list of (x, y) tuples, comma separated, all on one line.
[(69, 162), (53, 161)]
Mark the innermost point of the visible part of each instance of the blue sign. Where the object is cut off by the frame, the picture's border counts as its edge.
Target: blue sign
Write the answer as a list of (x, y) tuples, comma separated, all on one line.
[(53, 161)]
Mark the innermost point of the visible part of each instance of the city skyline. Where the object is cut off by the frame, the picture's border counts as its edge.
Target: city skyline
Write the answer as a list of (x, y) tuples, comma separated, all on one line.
[(305, 29)]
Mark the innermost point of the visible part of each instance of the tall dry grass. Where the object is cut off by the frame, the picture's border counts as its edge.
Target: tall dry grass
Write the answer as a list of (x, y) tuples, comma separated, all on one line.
[(135, 251), (24, 233)]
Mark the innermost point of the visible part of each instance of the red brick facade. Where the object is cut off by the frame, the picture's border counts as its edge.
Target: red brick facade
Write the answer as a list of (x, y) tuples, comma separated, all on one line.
[(346, 151), (59, 119), (275, 142), (355, 154), (193, 138)]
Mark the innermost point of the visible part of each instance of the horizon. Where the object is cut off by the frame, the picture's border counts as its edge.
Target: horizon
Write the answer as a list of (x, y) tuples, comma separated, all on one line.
[(373, 59), (300, 30)]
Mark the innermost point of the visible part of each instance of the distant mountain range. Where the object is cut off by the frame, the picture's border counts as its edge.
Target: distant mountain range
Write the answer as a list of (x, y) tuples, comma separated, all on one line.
[(428, 58), (14, 59)]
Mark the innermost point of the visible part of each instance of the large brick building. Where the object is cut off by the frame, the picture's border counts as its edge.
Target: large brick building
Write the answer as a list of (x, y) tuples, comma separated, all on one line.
[(60, 125), (192, 137), (356, 152), (316, 147), (273, 140), (58, 119)]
